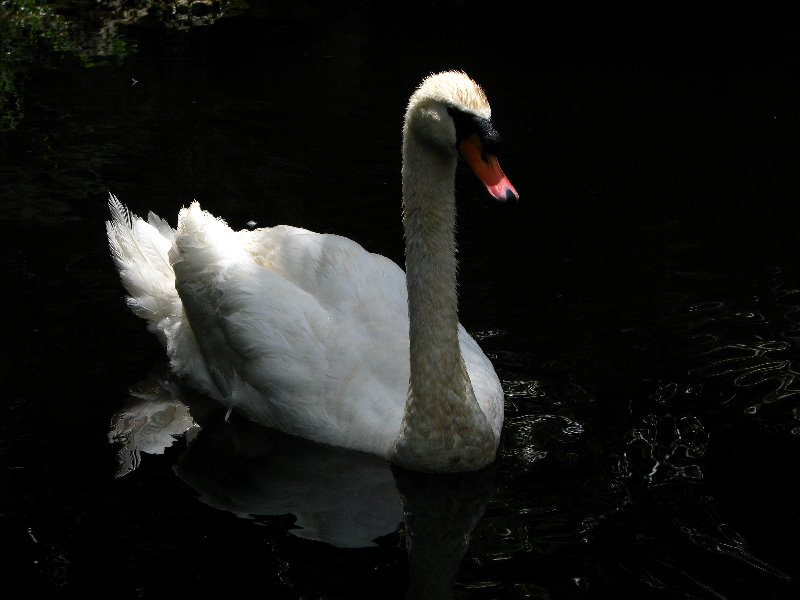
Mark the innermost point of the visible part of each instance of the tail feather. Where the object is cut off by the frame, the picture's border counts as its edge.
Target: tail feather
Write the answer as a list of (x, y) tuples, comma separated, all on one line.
[(140, 250), (119, 212), (161, 226)]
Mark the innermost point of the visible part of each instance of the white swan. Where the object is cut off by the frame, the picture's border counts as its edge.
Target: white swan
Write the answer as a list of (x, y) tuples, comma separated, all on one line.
[(312, 334)]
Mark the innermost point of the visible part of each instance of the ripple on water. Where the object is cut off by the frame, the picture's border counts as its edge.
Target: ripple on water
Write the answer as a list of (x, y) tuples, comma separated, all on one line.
[(533, 424), (527, 438), (668, 447), (748, 347), (740, 367)]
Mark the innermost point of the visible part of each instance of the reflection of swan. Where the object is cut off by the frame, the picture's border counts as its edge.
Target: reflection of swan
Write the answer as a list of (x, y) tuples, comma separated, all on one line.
[(340, 497), (344, 498), (439, 511), (149, 422), (310, 333)]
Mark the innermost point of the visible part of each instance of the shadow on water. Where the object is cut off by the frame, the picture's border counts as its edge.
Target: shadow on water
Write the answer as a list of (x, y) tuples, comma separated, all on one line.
[(343, 498), (340, 497), (640, 304)]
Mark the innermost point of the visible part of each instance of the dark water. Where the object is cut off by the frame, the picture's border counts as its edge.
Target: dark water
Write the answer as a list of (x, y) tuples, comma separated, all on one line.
[(641, 305)]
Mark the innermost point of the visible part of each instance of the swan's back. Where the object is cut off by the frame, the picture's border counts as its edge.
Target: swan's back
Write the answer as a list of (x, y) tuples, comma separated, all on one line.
[(301, 331), (333, 269)]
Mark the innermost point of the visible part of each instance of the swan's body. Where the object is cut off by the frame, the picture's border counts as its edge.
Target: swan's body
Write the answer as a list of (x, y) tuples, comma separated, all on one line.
[(310, 333)]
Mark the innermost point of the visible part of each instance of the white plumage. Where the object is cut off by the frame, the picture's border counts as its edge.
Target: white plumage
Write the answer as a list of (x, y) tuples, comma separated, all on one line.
[(309, 333)]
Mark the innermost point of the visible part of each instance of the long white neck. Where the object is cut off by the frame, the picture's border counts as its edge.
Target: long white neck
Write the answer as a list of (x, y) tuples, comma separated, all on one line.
[(443, 426), (429, 220)]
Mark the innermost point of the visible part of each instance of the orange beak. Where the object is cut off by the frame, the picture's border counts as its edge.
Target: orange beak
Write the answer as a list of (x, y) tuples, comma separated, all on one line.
[(487, 169)]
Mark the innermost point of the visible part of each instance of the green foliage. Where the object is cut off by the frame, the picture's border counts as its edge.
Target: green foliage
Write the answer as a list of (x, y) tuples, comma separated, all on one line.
[(26, 26), (33, 32), (45, 32)]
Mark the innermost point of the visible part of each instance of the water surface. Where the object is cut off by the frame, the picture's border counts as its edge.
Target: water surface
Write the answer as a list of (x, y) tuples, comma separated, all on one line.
[(641, 305)]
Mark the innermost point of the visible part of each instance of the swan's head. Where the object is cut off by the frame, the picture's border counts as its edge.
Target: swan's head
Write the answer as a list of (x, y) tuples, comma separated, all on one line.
[(449, 112)]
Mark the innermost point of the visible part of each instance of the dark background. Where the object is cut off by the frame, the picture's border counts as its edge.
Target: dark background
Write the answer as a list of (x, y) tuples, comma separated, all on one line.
[(641, 302)]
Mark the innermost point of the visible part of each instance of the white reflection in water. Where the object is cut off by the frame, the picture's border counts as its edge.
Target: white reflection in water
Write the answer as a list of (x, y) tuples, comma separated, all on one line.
[(341, 497), (149, 423)]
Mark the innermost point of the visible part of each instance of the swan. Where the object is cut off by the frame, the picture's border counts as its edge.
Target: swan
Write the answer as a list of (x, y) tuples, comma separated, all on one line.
[(313, 335)]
